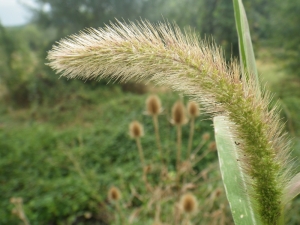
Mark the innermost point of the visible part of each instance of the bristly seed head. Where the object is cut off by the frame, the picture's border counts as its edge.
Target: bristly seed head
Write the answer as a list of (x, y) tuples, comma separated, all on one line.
[(189, 203), (136, 129), (178, 114), (193, 109), (114, 194), (153, 105)]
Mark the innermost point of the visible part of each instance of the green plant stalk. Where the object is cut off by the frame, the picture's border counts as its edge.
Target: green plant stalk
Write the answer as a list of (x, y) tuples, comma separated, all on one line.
[(178, 154), (165, 55), (143, 163), (190, 143), (141, 153), (156, 128)]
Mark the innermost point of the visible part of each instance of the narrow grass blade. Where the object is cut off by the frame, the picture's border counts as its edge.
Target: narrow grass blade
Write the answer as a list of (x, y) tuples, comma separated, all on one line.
[(247, 57), (232, 175), (292, 189)]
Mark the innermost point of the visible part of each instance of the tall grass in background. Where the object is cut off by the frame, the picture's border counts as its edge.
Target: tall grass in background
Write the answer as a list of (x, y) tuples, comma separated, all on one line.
[(253, 149)]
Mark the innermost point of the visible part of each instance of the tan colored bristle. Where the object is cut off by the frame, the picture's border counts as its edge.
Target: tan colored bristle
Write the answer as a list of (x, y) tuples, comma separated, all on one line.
[(188, 203), (153, 105), (178, 114), (193, 109), (136, 129), (114, 194)]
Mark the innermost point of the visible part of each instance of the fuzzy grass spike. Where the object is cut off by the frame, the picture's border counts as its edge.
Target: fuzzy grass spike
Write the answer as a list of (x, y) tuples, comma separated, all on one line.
[(181, 61)]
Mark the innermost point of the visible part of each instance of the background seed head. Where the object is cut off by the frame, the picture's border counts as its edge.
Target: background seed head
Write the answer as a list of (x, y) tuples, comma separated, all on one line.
[(178, 114), (153, 105), (136, 129), (193, 109), (189, 203), (114, 194)]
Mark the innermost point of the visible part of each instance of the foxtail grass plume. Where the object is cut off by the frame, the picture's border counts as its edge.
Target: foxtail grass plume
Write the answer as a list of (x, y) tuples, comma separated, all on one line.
[(193, 109), (136, 129), (114, 194), (178, 114), (188, 203), (181, 61), (153, 105)]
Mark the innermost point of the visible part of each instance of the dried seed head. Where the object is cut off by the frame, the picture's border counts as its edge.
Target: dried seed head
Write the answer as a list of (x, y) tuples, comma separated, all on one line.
[(136, 129), (188, 203), (153, 105), (218, 192), (178, 114), (212, 146), (114, 194), (193, 109), (205, 136)]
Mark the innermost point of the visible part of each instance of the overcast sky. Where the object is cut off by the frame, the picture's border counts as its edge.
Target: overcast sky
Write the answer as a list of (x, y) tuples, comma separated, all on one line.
[(12, 13)]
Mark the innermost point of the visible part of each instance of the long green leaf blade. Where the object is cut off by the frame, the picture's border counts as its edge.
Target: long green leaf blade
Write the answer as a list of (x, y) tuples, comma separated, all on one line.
[(247, 57), (232, 175)]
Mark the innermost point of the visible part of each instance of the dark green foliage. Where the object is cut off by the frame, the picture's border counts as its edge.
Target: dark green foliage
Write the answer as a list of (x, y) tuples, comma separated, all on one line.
[(286, 35)]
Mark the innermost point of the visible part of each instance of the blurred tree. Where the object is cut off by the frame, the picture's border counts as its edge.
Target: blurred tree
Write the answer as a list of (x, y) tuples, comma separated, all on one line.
[(70, 16), (210, 17), (20, 49), (14, 66), (286, 33), (215, 18)]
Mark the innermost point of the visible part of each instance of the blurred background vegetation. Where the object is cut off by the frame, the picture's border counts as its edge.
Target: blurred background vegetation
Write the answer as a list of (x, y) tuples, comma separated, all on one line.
[(41, 115)]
